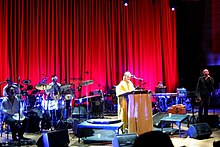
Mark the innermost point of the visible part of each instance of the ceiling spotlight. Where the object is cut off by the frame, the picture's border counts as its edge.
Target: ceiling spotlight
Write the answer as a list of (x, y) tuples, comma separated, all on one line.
[(126, 2), (172, 4)]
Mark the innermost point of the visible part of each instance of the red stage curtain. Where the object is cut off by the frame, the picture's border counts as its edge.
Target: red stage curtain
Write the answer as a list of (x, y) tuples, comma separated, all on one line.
[(88, 39)]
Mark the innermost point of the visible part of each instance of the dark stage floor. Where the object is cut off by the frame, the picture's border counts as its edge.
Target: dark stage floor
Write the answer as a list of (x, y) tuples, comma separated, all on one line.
[(184, 140)]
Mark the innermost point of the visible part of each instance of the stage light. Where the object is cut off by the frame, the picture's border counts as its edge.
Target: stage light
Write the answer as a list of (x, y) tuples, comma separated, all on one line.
[(172, 4), (126, 2)]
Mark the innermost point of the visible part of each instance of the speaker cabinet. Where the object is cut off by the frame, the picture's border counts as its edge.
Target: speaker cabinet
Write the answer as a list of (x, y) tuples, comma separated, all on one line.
[(124, 140), (56, 138), (199, 131), (211, 120)]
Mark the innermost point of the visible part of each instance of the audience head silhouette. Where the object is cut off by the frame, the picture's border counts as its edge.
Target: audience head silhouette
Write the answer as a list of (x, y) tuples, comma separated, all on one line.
[(153, 138), (216, 143)]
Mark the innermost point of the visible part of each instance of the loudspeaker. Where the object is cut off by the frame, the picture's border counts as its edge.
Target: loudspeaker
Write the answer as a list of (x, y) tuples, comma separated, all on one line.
[(56, 138), (199, 131), (81, 132), (211, 120), (33, 122), (124, 140), (156, 119)]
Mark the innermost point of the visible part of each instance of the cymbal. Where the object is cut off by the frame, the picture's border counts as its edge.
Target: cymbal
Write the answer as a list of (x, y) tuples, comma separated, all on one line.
[(75, 80), (26, 81), (43, 87), (29, 87), (68, 97), (86, 83), (15, 85), (66, 86)]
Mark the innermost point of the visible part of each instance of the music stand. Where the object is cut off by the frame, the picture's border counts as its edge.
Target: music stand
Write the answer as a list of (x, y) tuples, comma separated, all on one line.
[(86, 83), (192, 96)]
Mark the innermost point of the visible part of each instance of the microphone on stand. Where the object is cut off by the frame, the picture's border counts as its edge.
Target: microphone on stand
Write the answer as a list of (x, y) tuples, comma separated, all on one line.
[(18, 79), (140, 79), (44, 80)]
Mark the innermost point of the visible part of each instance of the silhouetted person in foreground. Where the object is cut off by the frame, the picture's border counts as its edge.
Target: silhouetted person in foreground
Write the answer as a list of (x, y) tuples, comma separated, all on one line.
[(154, 139), (216, 143)]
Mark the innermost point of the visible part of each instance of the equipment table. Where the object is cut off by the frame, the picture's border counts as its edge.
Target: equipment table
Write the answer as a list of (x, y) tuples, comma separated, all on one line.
[(174, 119)]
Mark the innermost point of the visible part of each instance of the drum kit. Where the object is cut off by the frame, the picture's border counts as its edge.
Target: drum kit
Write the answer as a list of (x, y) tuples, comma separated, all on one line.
[(42, 98)]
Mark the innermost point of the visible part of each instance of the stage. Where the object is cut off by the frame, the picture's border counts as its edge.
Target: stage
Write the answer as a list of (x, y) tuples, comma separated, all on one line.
[(184, 140)]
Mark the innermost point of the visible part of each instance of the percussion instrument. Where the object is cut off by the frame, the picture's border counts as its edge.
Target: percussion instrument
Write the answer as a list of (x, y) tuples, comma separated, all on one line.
[(50, 104), (75, 80), (66, 87), (68, 97), (26, 82), (86, 83), (16, 116), (43, 87)]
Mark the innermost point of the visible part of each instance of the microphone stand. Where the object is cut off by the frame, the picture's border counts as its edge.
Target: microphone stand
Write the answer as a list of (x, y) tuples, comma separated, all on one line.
[(103, 104), (19, 109)]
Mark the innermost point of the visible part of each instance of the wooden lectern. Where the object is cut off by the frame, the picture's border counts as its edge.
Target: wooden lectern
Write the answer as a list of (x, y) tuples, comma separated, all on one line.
[(135, 110)]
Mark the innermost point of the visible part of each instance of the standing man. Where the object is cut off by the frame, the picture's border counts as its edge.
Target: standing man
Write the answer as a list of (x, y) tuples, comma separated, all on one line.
[(54, 94), (54, 91), (204, 89)]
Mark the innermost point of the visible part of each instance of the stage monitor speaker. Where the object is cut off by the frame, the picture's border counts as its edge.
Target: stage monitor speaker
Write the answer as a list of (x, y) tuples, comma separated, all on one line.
[(211, 120), (199, 131), (56, 138), (124, 140)]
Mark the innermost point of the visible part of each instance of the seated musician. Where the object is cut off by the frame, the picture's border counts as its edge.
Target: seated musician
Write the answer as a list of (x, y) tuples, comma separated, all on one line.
[(11, 107), (54, 91), (162, 100), (160, 88), (160, 84), (10, 83)]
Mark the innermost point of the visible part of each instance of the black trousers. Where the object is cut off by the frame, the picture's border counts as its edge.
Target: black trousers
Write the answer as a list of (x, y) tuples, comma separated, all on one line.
[(16, 127), (204, 106)]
